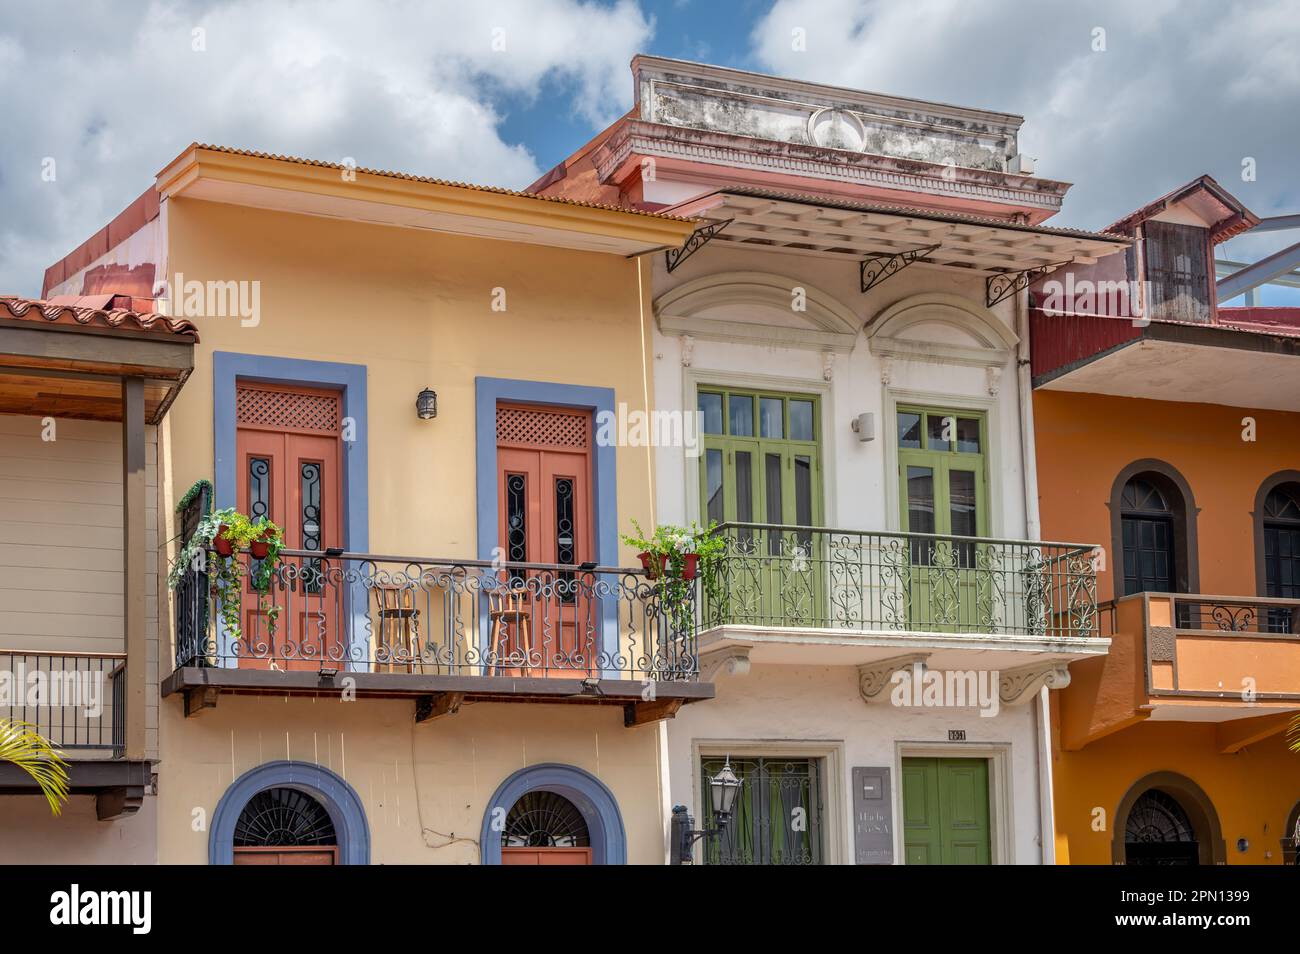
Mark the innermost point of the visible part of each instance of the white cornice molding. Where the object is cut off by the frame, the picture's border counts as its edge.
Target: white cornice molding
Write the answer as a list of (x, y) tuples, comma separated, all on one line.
[(729, 150), (680, 311)]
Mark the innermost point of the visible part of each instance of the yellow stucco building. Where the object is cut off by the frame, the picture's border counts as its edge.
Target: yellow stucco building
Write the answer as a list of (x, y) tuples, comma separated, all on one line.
[(425, 681)]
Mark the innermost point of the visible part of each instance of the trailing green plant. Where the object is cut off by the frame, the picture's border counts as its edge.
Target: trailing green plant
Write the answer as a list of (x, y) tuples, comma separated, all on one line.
[(669, 551), (226, 574)]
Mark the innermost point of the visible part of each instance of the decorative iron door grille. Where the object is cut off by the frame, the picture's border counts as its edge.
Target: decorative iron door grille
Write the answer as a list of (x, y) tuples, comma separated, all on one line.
[(778, 815)]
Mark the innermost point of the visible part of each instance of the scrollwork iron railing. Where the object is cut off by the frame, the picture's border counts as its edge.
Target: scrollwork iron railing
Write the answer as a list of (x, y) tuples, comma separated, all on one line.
[(814, 577), (367, 613), (1237, 614)]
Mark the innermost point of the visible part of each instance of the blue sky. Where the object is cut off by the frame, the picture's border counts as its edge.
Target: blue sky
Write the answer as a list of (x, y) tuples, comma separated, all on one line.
[(109, 92)]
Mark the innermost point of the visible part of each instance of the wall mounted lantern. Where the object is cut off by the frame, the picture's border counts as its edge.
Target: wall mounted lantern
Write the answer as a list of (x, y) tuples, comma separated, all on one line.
[(426, 405), (723, 791)]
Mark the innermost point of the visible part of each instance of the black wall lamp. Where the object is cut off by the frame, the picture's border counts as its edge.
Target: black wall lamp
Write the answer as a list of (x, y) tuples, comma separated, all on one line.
[(426, 405), (723, 790)]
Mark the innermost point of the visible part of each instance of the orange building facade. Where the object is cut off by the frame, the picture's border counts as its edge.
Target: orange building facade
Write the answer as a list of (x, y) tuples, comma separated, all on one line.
[(1173, 443)]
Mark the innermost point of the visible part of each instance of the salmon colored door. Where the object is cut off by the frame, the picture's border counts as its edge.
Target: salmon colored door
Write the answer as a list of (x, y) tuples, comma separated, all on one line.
[(546, 856), (285, 856), (545, 828), (543, 623), (289, 461)]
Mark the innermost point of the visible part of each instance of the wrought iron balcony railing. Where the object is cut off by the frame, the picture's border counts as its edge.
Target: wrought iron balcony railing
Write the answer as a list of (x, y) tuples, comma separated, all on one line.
[(813, 577), (1236, 614), (75, 700), (382, 614)]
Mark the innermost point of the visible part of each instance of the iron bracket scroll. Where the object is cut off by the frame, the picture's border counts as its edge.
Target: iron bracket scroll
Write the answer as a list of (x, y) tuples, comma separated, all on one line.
[(874, 269), (1003, 285), (696, 241)]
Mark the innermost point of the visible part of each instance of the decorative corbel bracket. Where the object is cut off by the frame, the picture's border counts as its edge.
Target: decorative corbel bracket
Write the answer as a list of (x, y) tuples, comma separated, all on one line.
[(874, 269), (688, 350), (873, 677), (1003, 285), (1022, 684), (732, 661), (694, 242)]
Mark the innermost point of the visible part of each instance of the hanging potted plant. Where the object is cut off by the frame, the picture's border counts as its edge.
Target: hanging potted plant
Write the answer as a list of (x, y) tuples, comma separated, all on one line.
[(673, 557), (226, 532)]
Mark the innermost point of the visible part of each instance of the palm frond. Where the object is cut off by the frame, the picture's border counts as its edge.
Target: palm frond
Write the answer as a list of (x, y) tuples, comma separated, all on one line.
[(22, 745)]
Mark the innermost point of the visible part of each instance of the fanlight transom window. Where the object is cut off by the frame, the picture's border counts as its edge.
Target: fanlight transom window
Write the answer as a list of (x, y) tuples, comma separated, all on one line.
[(545, 820), (283, 817)]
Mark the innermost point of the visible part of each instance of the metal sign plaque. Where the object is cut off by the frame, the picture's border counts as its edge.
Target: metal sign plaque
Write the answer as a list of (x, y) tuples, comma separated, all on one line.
[(873, 817)]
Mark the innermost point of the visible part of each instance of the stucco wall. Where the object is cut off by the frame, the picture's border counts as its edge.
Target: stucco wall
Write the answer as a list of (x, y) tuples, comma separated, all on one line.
[(1085, 440), (29, 835), (414, 307), (441, 774), (1253, 791), (854, 473), (818, 708)]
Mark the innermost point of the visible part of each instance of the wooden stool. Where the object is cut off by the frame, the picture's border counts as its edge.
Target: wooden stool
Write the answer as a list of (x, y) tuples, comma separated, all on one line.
[(399, 627), (507, 608)]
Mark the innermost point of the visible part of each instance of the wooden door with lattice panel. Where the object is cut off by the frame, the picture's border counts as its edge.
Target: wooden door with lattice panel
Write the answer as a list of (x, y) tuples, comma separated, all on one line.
[(289, 462), (548, 622)]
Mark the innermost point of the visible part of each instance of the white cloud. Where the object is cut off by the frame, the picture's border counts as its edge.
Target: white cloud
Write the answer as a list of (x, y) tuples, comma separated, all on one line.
[(115, 91), (1182, 88)]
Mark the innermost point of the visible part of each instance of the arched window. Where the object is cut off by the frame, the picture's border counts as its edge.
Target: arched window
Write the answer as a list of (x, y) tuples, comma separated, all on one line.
[(1277, 549), (1159, 832), (1282, 542), (1147, 522), (284, 825), (1153, 530), (545, 820)]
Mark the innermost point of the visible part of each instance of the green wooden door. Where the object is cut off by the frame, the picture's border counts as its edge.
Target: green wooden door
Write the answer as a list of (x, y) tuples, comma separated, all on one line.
[(942, 473), (761, 465), (946, 812)]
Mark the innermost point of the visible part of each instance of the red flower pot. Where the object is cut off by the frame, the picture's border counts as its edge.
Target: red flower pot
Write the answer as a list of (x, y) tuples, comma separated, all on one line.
[(219, 543), (259, 549), (690, 565), (654, 567)]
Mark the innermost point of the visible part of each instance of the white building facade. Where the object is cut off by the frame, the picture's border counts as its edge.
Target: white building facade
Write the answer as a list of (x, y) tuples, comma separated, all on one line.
[(849, 320)]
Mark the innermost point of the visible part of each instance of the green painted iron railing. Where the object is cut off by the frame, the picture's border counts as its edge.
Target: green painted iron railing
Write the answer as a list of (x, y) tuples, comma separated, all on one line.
[(820, 578)]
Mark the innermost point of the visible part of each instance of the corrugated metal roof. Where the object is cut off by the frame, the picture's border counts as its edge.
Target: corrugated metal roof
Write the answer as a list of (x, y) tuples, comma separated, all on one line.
[(408, 177), (855, 205)]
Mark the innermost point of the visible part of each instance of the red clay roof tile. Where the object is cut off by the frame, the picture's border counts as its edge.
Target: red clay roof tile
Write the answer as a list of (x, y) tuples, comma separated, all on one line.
[(113, 319)]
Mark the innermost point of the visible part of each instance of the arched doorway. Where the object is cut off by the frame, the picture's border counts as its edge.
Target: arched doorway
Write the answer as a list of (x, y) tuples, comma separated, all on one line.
[(1167, 819), (1158, 832), (553, 814), (545, 828), (283, 826), (290, 813), (1291, 837)]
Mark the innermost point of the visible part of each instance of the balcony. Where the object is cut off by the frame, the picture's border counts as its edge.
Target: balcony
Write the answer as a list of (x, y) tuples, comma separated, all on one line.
[(813, 595), (76, 701), (440, 631), (1229, 660)]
